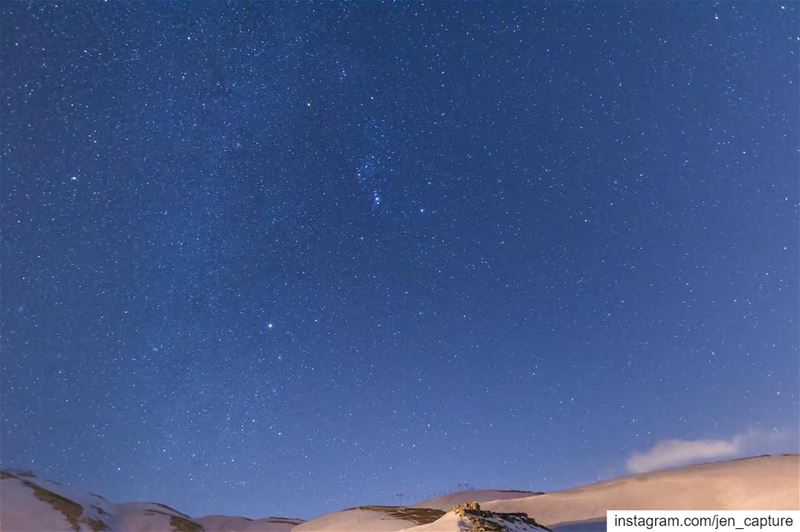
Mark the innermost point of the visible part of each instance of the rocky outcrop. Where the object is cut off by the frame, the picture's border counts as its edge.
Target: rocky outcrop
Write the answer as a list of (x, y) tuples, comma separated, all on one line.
[(486, 521), (462, 509)]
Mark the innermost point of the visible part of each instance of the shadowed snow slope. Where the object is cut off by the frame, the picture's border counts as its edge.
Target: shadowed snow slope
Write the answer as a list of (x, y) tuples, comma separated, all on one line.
[(28, 503), (31, 504), (377, 518), (765, 482)]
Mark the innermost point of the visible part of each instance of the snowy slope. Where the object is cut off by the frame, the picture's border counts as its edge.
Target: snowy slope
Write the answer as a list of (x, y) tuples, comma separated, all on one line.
[(418, 520), (371, 518), (28, 503), (33, 504), (449, 522), (767, 482), (18, 507), (461, 520)]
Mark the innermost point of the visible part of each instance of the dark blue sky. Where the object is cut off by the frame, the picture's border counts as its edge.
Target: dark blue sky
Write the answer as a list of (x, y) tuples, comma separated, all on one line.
[(287, 258)]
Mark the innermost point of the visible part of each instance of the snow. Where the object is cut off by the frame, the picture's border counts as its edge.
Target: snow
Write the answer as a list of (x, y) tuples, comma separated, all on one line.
[(23, 511), (147, 517), (449, 522), (766, 483), (355, 520), (452, 522), (769, 482)]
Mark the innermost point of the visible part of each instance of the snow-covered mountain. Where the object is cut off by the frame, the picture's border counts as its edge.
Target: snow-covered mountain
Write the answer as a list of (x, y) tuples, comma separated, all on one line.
[(760, 483), (29, 503)]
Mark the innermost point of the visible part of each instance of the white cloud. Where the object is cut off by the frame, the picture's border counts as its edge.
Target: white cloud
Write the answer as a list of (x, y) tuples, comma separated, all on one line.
[(670, 453)]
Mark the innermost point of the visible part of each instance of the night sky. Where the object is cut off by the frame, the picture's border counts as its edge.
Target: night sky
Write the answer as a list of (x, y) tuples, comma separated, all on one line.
[(287, 258)]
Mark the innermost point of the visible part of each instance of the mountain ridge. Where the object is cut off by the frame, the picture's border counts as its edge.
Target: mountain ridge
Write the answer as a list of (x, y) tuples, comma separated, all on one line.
[(763, 482)]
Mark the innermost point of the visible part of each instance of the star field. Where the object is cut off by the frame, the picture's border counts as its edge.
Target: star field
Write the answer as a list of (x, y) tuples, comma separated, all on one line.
[(285, 258)]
